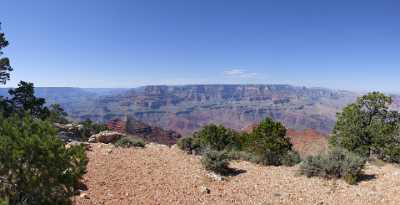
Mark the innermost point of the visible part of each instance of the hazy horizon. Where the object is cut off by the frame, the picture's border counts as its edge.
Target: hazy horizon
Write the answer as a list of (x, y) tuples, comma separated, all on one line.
[(341, 45)]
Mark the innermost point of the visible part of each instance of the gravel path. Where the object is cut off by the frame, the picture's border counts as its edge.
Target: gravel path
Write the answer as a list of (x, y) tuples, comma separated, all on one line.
[(163, 175)]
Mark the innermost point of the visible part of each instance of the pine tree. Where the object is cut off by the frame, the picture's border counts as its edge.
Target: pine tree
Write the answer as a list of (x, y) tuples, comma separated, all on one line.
[(23, 100), (5, 67)]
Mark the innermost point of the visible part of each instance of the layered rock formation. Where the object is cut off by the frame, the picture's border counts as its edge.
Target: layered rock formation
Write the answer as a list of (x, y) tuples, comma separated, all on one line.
[(187, 108)]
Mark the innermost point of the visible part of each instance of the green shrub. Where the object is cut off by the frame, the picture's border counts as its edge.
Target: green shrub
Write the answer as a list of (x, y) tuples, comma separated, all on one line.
[(291, 158), (90, 128), (3, 202), (216, 161), (337, 163), (127, 142), (189, 144), (268, 142), (35, 165), (369, 128), (217, 137), (389, 151), (243, 155)]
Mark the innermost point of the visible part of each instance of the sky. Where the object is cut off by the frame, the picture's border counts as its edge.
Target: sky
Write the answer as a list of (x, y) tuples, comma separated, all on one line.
[(339, 44)]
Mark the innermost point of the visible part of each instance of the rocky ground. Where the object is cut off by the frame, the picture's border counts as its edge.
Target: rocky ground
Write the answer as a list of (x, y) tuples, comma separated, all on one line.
[(158, 174)]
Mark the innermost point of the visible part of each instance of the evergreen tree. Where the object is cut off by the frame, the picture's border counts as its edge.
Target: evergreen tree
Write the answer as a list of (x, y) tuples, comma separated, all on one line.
[(35, 166), (268, 141), (217, 137), (57, 114), (368, 127), (5, 67), (23, 99)]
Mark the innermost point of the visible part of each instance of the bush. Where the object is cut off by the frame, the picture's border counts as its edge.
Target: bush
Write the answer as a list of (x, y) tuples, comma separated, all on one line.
[(390, 152), (337, 163), (90, 128), (216, 161), (35, 165), (268, 142), (290, 159), (3, 202), (243, 155), (369, 128), (217, 137), (189, 145), (127, 142)]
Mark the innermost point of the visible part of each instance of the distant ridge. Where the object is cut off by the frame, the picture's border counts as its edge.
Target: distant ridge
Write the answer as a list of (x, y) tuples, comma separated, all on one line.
[(186, 108)]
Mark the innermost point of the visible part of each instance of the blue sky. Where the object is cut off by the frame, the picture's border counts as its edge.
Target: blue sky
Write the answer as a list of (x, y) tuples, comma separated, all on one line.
[(353, 45)]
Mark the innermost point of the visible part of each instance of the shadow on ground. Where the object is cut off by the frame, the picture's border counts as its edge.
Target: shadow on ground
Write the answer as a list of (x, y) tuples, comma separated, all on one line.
[(234, 172), (366, 177)]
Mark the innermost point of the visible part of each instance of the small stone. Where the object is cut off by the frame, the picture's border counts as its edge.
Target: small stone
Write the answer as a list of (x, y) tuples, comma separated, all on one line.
[(215, 177), (84, 196), (205, 190)]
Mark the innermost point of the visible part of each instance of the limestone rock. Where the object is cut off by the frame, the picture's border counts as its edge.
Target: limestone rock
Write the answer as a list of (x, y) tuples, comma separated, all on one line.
[(106, 137), (77, 143)]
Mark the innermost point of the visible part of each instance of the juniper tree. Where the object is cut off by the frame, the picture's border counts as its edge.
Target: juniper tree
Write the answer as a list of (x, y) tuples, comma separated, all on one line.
[(369, 128)]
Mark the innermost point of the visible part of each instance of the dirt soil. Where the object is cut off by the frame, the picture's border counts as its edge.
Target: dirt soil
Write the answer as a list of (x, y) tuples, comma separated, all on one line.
[(158, 174), (308, 142)]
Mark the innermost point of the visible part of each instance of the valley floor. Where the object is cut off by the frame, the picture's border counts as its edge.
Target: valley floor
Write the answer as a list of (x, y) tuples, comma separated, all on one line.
[(161, 175)]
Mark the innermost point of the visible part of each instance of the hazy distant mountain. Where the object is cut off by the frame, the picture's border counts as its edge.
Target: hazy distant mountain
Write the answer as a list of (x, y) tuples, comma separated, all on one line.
[(186, 108), (70, 98)]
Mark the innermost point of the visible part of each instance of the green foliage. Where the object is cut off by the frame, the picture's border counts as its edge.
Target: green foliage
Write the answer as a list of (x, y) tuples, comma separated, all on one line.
[(3, 202), (216, 161), (369, 128), (390, 151), (244, 155), (57, 114), (23, 100), (189, 145), (269, 143), (127, 142), (90, 128), (217, 137), (291, 158), (5, 67), (337, 163), (35, 165)]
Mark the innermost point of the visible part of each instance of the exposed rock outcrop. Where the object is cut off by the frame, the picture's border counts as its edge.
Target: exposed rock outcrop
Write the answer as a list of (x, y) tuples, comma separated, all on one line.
[(106, 137), (86, 145), (69, 132), (134, 127), (151, 133), (185, 109)]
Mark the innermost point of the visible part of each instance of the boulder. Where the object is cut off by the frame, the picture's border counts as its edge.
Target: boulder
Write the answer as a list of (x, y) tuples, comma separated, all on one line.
[(106, 137), (215, 177), (69, 132), (205, 190), (76, 143)]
